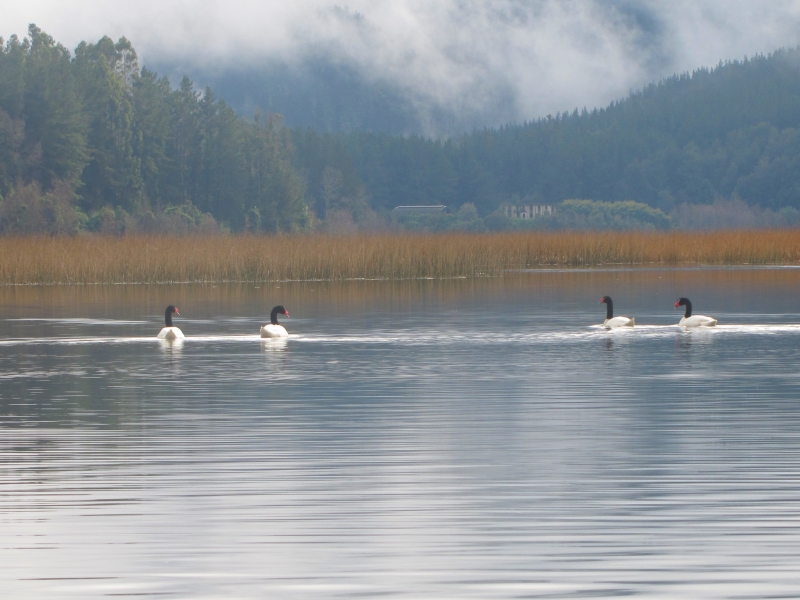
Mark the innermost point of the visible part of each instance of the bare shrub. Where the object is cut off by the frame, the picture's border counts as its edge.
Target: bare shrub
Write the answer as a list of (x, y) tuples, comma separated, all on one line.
[(339, 222), (185, 219), (26, 210), (60, 216)]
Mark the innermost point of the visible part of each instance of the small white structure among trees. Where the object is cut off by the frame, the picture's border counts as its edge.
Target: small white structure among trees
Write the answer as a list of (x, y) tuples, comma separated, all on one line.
[(527, 211)]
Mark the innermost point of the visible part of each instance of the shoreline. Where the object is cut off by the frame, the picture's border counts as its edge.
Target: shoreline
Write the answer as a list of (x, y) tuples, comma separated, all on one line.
[(532, 270)]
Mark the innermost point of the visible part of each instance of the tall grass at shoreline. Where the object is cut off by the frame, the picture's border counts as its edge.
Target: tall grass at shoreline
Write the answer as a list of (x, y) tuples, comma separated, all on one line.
[(154, 259)]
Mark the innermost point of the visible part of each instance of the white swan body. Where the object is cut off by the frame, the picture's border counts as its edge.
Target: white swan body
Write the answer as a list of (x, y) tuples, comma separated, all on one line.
[(690, 320), (698, 321), (170, 333), (619, 322), (612, 321), (274, 331)]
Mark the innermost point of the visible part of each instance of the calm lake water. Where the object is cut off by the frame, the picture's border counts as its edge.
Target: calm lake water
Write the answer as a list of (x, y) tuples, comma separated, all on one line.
[(435, 439)]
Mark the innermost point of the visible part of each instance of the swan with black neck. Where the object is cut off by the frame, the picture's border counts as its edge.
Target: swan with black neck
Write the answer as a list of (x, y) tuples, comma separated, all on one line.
[(690, 320), (170, 332), (612, 321), (274, 329)]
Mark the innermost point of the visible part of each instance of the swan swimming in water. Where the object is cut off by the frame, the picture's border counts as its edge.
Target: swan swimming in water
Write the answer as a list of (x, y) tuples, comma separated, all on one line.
[(611, 320), (169, 332), (273, 329), (693, 321)]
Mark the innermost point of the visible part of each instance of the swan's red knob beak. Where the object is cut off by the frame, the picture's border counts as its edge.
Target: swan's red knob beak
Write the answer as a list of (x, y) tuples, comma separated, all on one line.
[(601, 301), (286, 313), (177, 313), (677, 305)]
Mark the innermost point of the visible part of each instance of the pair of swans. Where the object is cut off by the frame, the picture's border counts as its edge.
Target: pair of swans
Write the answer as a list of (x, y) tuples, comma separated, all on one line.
[(271, 330), (688, 319)]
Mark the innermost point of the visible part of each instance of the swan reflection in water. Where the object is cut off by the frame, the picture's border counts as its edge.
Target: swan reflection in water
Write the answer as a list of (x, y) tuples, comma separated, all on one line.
[(274, 344), (700, 336), (172, 350)]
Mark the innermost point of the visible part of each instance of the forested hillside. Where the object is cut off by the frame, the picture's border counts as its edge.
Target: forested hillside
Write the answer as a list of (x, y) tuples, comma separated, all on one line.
[(91, 141), (731, 132), (94, 132)]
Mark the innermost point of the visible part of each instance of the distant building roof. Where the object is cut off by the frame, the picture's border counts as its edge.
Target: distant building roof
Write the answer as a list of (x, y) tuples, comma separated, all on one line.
[(424, 209)]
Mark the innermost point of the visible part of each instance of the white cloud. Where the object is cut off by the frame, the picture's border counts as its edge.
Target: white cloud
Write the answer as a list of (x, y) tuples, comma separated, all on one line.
[(537, 56)]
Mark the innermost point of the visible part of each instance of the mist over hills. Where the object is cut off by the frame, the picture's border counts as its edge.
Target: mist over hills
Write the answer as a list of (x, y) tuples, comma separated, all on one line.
[(337, 96), (727, 133), (434, 68), (319, 94)]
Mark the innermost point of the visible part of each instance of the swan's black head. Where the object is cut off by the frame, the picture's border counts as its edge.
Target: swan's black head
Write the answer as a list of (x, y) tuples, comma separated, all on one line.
[(278, 310), (609, 306), (687, 303), (168, 315)]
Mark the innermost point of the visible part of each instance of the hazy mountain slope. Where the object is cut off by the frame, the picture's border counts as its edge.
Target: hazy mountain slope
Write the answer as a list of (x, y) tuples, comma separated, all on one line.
[(318, 94), (717, 133)]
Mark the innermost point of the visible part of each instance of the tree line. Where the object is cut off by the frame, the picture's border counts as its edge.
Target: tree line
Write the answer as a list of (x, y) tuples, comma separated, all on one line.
[(723, 137), (92, 141)]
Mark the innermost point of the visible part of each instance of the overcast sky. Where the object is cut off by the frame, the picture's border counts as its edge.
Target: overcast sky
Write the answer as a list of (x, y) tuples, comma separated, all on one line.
[(545, 55)]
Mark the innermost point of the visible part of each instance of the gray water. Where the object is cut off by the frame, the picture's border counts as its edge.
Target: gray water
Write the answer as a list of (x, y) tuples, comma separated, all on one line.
[(435, 439)]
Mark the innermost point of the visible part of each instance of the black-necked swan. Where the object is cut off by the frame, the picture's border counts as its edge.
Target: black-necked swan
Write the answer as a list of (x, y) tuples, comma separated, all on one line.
[(169, 332), (690, 320), (273, 329), (611, 320)]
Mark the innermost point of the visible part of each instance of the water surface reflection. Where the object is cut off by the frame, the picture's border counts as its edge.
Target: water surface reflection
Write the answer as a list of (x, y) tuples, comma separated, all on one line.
[(480, 438)]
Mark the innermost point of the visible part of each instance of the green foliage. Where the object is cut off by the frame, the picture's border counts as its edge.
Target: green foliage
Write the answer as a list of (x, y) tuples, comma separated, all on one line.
[(12, 137), (42, 113), (141, 155), (274, 188), (136, 154), (328, 169), (185, 218), (625, 215), (732, 214), (465, 219), (113, 174), (731, 131), (180, 220)]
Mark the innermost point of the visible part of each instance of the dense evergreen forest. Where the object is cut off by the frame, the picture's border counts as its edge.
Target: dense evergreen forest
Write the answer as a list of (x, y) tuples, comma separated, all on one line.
[(91, 141)]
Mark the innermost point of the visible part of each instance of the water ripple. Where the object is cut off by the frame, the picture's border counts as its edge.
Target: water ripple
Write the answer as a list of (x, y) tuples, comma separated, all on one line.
[(388, 453)]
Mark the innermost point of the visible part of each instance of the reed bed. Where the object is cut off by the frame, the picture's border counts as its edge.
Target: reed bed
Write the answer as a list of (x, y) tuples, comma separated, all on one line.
[(154, 259)]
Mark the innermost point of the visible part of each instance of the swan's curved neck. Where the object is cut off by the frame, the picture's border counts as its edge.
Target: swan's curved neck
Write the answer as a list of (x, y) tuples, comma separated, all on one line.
[(688, 309), (609, 309), (273, 317), (168, 318)]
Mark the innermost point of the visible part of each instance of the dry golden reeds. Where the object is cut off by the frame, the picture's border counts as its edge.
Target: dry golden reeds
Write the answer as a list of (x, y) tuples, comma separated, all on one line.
[(152, 259)]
